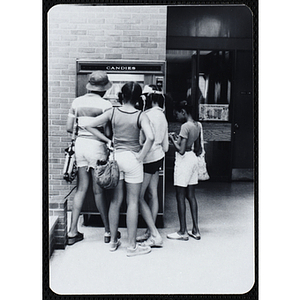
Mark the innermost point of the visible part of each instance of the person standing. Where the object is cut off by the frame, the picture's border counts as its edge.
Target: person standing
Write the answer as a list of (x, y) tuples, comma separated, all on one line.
[(187, 147), (154, 103), (127, 121), (88, 149)]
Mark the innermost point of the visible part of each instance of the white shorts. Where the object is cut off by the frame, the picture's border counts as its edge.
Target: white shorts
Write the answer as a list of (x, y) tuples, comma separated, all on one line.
[(88, 151), (186, 169), (131, 170)]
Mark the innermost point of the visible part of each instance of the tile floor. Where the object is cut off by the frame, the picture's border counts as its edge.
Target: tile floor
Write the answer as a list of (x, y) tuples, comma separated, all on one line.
[(222, 262)]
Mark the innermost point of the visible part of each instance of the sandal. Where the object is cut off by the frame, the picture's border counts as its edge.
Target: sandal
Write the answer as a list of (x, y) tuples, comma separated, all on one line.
[(74, 239)]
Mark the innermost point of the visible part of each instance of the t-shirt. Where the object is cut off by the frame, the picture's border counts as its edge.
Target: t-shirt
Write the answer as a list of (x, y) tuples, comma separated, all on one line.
[(159, 126), (88, 107), (189, 131)]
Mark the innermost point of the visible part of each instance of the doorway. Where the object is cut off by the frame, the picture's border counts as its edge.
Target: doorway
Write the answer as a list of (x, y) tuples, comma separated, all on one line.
[(204, 79)]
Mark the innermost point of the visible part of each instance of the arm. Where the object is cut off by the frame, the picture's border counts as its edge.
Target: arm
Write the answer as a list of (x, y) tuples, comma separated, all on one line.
[(179, 144), (165, 143), (98, 134), (70, 123), (72, 116), (145, 124), (142, 137), (100, 120)]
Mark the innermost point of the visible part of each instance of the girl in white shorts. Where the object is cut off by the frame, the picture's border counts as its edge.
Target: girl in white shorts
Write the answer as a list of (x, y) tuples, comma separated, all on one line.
[(127, 122), (88, 149), (187, 145)]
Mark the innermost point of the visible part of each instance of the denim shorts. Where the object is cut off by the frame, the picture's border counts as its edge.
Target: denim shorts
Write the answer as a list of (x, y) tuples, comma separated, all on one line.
[(88, 151)]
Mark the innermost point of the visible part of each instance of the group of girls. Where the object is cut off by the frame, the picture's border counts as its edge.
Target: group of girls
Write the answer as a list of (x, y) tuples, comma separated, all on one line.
[(140, 140)]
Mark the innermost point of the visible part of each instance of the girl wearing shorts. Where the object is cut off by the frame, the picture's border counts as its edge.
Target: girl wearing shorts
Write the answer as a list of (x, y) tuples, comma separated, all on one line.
[(187, 145), (154, 102), (127, 122), (88, 149)]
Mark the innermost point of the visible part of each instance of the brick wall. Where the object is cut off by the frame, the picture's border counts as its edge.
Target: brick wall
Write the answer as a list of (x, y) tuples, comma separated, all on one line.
[(58, 208), (96, 32)]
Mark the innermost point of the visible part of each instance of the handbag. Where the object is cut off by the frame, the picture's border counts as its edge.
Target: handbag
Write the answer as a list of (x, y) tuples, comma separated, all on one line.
[(70, 166), (202, 170), (107, 172)]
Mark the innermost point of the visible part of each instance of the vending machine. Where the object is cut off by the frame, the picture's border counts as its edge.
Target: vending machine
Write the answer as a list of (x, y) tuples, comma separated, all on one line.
[(120, 72)]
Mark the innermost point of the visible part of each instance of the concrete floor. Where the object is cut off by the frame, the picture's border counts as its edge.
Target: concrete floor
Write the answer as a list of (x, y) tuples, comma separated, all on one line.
[(222, 262)]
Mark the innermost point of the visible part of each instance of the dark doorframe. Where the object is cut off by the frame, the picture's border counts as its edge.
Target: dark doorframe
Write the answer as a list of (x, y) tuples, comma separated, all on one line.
[(242, 154)]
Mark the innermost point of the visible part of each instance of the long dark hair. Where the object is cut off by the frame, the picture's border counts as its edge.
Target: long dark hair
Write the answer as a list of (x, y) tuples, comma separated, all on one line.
[(131, 92)]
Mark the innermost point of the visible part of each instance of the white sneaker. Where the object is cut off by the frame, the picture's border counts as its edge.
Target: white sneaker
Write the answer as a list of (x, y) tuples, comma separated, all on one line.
[(114, 246), (143, 237), (152, 241), (177, 236), (138, 250)]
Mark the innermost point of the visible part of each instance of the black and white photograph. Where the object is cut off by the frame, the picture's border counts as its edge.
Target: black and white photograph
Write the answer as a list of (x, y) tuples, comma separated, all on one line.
[(151, 150), (206, 63)]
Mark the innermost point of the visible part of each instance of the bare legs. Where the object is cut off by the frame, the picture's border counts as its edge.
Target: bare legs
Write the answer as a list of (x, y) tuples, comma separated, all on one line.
[(78, 200), (114, 210), (181, 194), (133, 192), (181, 208), (148, 214), (153, 196), (101, 202), (194, 207), (82, 188), (132, 196)]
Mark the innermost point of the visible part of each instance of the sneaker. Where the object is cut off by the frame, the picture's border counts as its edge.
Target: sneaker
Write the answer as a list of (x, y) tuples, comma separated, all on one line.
[(138, 250), (107, 236), (114, 246), (177, 236), (152, 241), (143, 237), (196, 236)]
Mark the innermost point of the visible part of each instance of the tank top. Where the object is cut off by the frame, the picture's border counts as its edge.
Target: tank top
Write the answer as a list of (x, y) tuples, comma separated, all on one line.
[(126, 129)]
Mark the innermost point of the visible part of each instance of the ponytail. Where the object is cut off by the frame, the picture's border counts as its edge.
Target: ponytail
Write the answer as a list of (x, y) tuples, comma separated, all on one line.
[(131, 92)]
